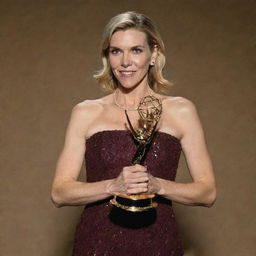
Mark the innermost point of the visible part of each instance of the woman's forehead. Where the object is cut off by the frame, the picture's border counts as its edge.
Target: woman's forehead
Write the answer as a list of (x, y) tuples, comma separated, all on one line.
[(128, 38)]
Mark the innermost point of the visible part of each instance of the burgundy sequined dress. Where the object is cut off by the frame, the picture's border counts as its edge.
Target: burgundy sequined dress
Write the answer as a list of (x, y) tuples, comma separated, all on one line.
[(107, 152)]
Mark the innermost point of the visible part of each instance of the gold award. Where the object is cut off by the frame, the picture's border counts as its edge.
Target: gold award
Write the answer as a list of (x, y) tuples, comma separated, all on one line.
[(149, 109)]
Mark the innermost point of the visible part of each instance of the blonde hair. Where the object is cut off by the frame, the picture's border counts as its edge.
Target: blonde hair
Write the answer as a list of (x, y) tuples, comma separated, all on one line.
[(142, 23)]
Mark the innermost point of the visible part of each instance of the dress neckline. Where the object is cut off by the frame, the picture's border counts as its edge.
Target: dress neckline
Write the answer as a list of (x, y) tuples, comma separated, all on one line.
[(127, 131)]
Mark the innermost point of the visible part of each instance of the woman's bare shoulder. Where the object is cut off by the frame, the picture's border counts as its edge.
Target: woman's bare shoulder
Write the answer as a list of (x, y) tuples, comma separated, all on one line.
[(178, 105), (87, 111), (178, 113), (88, 107)]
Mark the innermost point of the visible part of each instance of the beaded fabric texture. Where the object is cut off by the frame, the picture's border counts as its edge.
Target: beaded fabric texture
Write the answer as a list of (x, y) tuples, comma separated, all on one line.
[(107, 152)]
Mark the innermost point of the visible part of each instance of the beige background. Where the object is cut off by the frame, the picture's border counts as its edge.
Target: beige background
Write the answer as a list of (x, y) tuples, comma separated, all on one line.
[(48, 53)]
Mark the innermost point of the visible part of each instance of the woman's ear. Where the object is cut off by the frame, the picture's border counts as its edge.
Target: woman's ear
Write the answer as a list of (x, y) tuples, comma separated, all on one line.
[(154, 55)]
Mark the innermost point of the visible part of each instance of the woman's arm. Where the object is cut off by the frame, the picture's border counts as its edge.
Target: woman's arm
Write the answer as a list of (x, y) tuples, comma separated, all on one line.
[(66, 190), (202, 190)]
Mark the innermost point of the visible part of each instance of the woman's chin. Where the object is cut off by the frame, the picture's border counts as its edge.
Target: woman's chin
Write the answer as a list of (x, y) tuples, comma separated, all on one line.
[(129, 85)]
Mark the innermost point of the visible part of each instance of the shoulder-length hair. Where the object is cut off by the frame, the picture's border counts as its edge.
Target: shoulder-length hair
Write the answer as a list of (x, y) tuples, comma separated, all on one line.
[(142, 23)]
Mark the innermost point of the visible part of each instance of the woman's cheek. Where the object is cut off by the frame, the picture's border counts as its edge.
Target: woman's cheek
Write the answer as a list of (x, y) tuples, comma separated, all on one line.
[(113, 63), (143, 62)]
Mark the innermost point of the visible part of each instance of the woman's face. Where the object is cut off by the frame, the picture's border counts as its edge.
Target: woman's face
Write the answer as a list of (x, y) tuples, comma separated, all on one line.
[(130, 57)]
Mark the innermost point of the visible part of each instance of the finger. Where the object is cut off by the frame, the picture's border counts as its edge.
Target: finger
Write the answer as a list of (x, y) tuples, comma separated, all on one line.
[(137, 175), (134, 178), (134, 175), (137, 185), (137, 180), (140, 168), (136, 190), (134, 168)]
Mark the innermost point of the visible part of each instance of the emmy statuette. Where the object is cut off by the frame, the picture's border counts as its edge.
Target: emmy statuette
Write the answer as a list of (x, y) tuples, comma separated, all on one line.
[(149, 109)]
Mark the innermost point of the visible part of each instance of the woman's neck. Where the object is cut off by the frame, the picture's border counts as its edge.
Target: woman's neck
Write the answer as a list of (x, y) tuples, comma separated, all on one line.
[(130, 98)]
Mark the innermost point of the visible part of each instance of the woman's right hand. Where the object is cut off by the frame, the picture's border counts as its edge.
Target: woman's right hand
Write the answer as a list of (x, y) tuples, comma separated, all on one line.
[(132, 180)]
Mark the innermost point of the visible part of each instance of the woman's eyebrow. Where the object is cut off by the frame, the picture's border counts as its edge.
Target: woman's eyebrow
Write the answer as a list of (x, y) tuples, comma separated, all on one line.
[(115, 47)]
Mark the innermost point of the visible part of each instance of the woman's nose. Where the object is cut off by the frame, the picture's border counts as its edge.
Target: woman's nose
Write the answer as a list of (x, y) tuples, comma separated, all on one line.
[(126, 60)]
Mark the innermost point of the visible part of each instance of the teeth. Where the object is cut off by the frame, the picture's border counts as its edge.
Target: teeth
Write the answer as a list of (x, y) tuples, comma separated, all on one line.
[(126, 72)]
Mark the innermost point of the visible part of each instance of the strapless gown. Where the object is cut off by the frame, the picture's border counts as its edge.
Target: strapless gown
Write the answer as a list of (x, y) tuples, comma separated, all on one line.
[(107, 152)]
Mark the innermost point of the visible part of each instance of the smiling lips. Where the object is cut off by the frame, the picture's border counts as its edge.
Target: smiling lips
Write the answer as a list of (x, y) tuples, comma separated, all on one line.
[(126, 73)]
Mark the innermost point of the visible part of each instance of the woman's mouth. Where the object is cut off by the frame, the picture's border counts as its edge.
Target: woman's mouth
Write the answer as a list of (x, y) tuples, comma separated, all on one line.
[(126, 73)]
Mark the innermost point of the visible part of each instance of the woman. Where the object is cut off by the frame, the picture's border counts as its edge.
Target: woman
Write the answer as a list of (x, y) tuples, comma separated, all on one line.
[(133, 59)]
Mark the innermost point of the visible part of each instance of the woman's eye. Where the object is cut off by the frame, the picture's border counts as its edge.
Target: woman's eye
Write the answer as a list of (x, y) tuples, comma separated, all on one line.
[(114, 51), (137, 50)]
